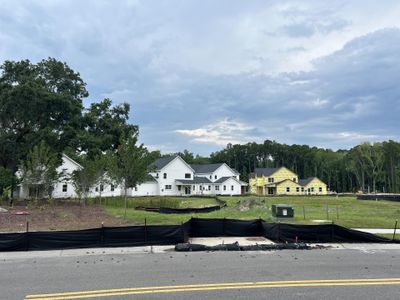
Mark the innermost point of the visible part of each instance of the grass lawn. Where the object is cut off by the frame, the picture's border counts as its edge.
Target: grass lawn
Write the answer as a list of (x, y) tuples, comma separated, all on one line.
[(345, 211)]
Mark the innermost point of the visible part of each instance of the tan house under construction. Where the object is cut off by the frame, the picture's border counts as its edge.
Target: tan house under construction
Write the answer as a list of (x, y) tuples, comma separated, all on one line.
[(282, 181)]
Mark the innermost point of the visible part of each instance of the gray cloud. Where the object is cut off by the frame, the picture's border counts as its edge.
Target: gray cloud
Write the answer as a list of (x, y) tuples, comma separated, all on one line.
[(198, 75)]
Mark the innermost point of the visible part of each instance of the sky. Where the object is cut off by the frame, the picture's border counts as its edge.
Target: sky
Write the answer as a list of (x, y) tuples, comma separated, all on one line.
[(201, 74)]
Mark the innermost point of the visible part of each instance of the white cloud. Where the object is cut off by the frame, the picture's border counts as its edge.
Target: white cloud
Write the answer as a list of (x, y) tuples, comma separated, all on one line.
[(220, 133)]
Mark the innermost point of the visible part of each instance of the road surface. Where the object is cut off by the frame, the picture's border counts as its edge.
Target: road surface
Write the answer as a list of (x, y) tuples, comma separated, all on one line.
[(116, 274)]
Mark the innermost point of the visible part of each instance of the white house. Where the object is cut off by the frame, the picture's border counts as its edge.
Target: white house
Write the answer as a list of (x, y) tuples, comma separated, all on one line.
[(63, 188), (168, 176), (176, 177)]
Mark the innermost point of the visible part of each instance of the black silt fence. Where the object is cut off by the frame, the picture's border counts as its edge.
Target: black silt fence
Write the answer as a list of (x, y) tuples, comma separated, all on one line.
[(329, 233), (189, 210), (388, 197), (174, 234), (224, 227)]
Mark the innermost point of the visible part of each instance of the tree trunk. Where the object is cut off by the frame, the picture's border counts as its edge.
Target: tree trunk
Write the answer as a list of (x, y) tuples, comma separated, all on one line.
[(125, 202)]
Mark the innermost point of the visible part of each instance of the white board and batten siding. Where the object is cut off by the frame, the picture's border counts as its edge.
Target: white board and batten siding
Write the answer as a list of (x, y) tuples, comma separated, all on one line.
[(176, 169), (232, 187), (65, 188)]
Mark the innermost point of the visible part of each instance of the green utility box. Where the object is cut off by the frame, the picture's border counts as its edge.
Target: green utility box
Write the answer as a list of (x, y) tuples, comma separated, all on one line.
[(282, 211)]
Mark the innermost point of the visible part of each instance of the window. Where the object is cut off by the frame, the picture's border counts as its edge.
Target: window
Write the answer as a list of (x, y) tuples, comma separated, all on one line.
[(168, 187), (217, 187), (297, 189), (165, 175), (302, 189), (64, 187), (232, 187), (294, 179), (320, 189), (112, 187), (179, 187), (194, 188), (215, 176), (101, 187), (210, 176), (287, 189), (157, 175), (96, 189), (135, 188), (188, 175), (270, 179), (224, 187), (312, 190), (209, 187)]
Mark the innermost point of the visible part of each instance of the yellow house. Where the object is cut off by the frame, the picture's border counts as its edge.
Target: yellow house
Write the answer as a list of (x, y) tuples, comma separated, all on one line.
[(282, 181)]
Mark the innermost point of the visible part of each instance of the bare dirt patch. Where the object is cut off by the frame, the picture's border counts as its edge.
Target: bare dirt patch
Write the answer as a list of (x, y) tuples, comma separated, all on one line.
[(63, 215)]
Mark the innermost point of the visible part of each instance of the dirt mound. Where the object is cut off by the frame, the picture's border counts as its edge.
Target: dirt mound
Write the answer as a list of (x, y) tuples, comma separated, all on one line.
[(248, 204)]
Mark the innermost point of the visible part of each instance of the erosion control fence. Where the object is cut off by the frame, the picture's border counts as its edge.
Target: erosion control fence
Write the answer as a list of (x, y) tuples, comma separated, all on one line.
[(174, 234), (386, 197), (189, 210)]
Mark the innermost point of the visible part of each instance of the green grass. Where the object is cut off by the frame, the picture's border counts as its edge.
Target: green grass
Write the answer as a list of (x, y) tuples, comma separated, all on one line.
[(345, 211)]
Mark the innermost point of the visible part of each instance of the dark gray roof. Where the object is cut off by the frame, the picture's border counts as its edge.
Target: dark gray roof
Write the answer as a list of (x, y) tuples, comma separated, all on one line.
[(195, 180), (265, 171), (208, 168), (222, 179), (161, 162), (150, 178), (305, 181)]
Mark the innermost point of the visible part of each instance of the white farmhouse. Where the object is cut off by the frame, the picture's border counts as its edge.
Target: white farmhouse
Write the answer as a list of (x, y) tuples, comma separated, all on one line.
[(63, 188), (168, 176)]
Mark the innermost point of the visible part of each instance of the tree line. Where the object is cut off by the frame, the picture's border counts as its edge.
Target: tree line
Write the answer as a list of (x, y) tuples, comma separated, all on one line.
[(368, 167)]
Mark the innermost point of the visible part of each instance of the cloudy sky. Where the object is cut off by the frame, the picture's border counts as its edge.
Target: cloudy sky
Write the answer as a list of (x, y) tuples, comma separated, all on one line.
[(201, 74)]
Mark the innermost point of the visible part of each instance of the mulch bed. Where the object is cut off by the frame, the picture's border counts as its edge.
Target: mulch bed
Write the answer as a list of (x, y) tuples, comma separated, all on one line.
[(63, 215)]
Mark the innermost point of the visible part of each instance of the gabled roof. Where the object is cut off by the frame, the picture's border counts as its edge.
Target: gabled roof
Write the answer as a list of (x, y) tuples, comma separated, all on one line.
[(265, 171), (150, 178), (71, 160), (207, 168), (282, 181), (195, 180), (304, 182), (223, 179), (210, 168), (162, 162)]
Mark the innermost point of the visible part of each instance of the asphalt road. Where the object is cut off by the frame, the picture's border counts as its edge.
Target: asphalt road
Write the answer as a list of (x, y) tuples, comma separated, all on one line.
[(312, 274)]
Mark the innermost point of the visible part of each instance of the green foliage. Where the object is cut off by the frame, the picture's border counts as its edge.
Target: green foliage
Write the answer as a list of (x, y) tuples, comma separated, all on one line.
[(129, 164), (5, 178), (94, 172), (39, 170), (105, 126), (5, 196), (373, 167), (38, 102), (190, 158)]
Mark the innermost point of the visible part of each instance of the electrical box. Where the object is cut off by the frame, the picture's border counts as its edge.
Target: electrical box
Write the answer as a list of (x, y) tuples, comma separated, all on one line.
[(282, 211)]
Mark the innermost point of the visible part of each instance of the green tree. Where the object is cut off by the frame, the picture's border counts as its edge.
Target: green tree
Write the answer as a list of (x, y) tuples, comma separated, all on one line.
[(94, 172), (104, 127), (39, 170), (130, 165), (40, 101)]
